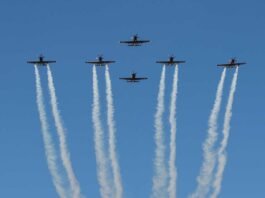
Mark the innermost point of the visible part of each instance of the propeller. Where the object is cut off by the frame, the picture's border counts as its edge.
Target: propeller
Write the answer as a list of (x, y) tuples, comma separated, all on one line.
[(135, 36), (100, 56), (133, 73)]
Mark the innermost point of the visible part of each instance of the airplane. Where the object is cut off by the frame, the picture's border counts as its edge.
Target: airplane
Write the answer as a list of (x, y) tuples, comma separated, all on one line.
[(135, 41), (231, 64), (133, 78), (41, 61), (100, 61), (170, 61)]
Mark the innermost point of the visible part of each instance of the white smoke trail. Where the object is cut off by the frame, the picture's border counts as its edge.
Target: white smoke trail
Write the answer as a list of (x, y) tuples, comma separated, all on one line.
[(160, 176), (112, 139), (205, 176), (172, 188), (47, 139), (222, 158), (62, 137), (102, 164)]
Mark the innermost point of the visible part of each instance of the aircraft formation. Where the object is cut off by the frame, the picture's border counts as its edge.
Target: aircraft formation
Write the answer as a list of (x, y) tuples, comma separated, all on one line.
[(167, 186), (135, 41)]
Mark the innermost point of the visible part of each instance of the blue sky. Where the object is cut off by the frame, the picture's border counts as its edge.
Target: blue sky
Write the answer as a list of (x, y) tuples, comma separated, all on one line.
[(202, 33)]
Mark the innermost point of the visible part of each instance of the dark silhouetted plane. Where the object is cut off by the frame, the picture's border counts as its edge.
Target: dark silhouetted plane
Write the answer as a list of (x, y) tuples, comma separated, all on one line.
[(100, 61), (135, 41), (171, 61), (231, 64), (41, 61), (133, 78)]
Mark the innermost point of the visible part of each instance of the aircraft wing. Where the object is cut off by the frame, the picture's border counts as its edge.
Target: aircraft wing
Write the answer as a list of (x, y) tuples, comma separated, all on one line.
[(142, 41), (93, 62), (107, 62), (127, 42), (163, 62), (33, 62), (46, 62), (100, 62), (143, 78), (135, 42), (231, 65), (225, 65), (126, 78), (170, 63), (241, 63), (177, 62)]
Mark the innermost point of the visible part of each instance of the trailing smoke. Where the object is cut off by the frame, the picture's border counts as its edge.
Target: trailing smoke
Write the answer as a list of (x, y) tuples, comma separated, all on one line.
[(47, 139), (62, 137), (102, 162), (222, 158), (206, 173), (173, 130), (112, 139), (161, 176)]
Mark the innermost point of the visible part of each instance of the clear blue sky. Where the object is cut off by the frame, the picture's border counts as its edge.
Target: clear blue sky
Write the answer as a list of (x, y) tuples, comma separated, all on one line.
[(203, 33)]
